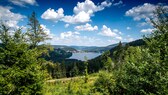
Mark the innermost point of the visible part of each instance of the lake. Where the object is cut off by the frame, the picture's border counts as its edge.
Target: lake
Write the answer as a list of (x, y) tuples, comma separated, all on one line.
[(80, 56)]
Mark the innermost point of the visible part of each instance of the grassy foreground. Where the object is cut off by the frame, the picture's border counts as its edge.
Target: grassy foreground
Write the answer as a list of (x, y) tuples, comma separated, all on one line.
[(70, 86)]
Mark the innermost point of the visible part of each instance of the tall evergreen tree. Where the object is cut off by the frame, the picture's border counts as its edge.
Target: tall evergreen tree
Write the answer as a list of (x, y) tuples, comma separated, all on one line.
[(75, 71), (63, 69), (35, 32)]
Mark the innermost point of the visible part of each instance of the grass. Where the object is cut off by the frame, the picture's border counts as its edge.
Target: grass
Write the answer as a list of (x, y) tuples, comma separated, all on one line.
[(70, 86)]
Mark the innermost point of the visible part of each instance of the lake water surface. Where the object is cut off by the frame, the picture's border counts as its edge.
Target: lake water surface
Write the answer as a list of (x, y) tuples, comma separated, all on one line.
[(80, 56)]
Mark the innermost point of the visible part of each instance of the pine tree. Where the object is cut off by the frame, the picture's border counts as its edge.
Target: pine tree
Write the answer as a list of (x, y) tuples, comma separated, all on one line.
[(63, 69), (35, 32), (75, 71)]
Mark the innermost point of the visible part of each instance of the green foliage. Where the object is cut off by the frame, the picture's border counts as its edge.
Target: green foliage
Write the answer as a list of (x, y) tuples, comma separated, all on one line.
[(70, 86), (141, 70), (108, 65), (20, 64), (104, 84), (141, 76), (75, 71), (57, 55), (86, 70), (63, 69), (146, 70), (20, 73)]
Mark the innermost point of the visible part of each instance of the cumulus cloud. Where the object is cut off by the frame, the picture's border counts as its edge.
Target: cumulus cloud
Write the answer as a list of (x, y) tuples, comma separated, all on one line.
[(71, 38), (148, 30), (51, 14), (82, 12), (82, 17), (75, 38), (144, 11), (89, 7), (10, 18), (86, 27), (23, 3), (105, 31)]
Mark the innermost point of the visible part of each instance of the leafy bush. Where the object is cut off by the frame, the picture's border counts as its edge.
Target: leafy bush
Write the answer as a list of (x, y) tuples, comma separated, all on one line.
[(104, 84)]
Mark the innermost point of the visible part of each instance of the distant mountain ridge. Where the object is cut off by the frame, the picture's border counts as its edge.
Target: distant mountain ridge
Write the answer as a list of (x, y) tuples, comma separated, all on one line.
[(98, 49), (85, 48), (95, 48)]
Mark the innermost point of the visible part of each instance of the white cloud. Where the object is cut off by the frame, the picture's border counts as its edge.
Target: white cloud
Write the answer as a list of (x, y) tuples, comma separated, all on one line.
[(148, 30), (9, 18), (81, 17), (119, 37), (118, 3), (130, 39), (128, 28), (76, 39), (117, 31), (89, 7), (66, 25), (51, 14), (105, 31), (86, 27), (69, 34), (23, 2), (105, 4), (143, 24), (82, 12), (144, 11), (115, 34)]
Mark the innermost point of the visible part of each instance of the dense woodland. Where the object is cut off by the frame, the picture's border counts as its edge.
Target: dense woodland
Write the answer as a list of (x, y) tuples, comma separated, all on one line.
[(136, 68)]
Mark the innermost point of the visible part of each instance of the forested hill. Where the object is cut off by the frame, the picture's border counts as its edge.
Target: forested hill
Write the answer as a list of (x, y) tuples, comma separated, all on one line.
[(97, 63), (139, 42), (85, 48), (65, 48), (95, 48)]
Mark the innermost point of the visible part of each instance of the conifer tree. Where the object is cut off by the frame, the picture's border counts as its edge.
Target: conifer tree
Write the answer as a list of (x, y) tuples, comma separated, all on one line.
[(35, 32), (63, 69)]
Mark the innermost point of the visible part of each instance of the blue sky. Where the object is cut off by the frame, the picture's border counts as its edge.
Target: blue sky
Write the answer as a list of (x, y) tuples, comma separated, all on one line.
[(84, 22)]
